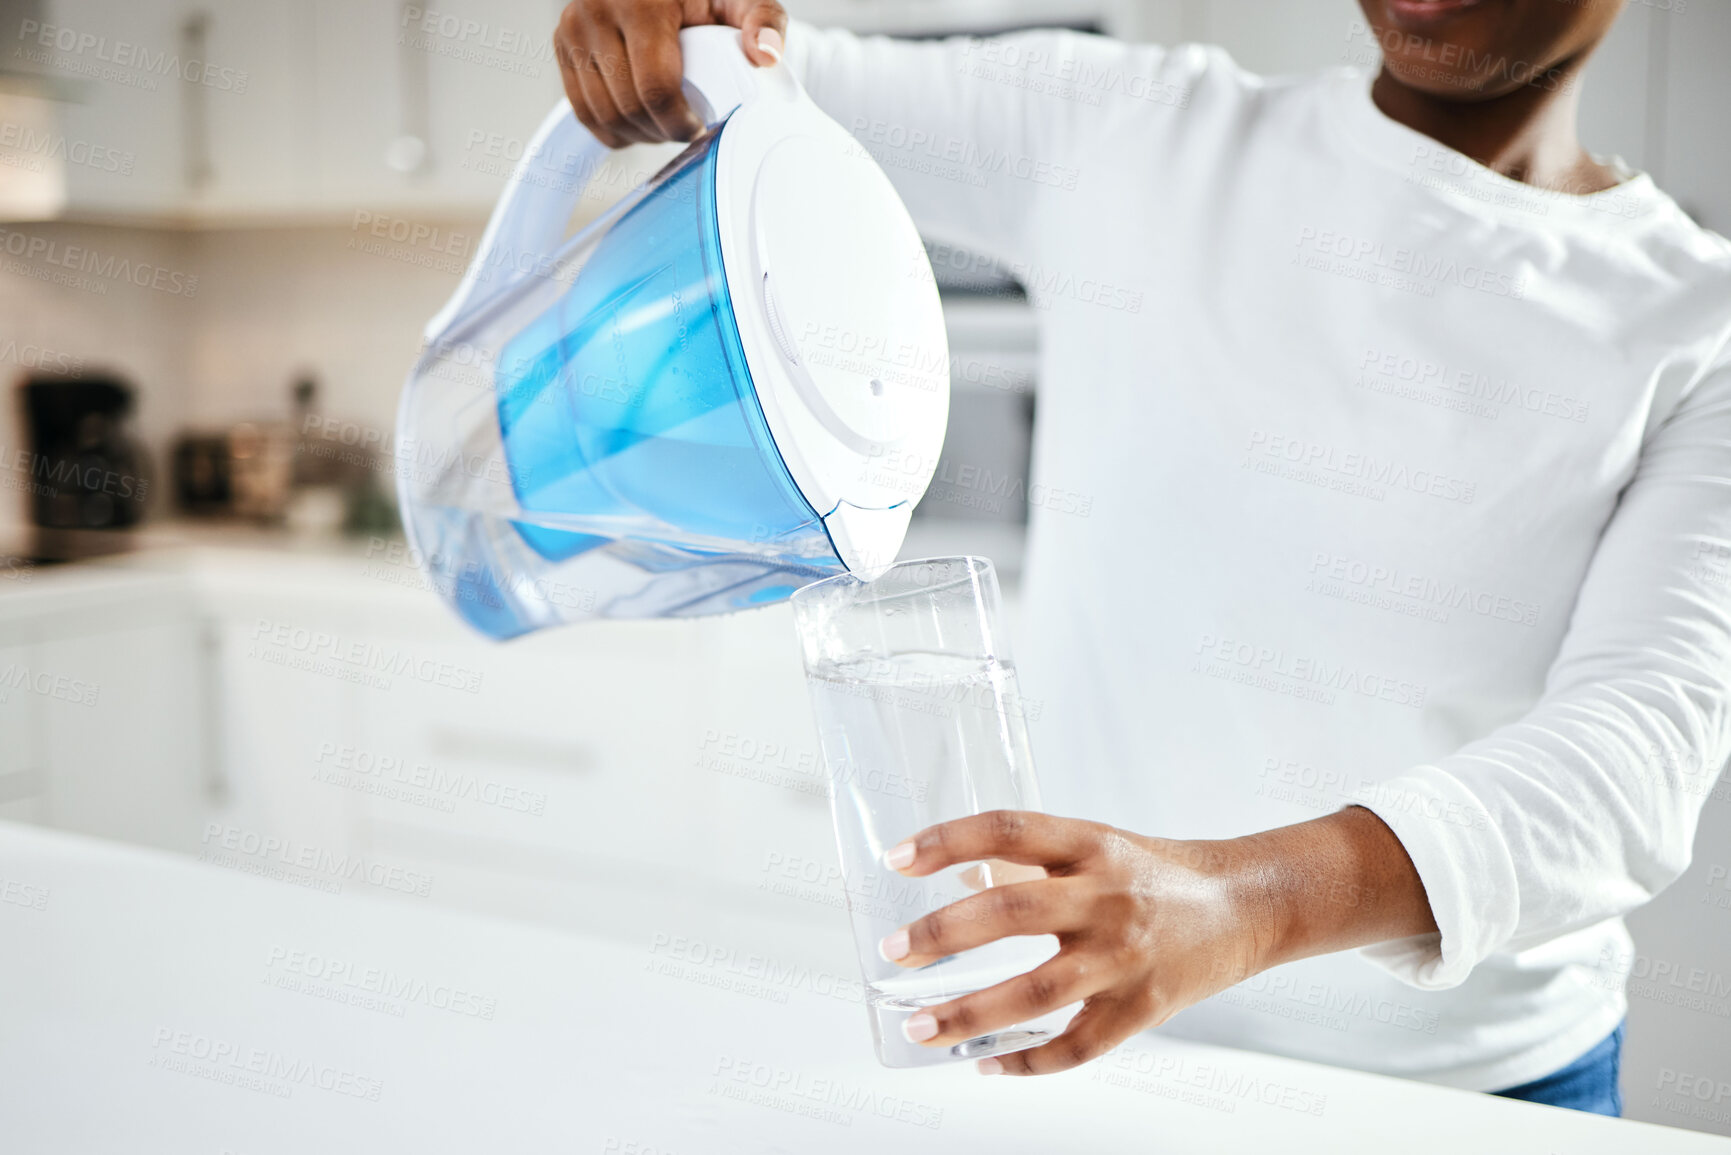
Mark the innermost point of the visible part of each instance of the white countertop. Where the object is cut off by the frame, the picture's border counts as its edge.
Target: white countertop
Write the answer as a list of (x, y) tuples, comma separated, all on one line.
[(150, 1002)]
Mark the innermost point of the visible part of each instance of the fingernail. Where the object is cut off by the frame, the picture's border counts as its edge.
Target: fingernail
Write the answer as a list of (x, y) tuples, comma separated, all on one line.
[(990, 1067), (899, 855), (920, 1027), (769, 41), (894, 946)]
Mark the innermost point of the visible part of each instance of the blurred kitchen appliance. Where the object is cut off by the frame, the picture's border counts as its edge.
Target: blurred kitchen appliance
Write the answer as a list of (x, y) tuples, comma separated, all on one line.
[(203, 473), (85, 470), (703, 401), (309, 473), (246, 471)]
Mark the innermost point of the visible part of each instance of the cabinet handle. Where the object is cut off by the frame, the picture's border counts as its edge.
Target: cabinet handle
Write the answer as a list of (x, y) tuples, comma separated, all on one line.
[(195, 109), (212, 705), (409, 151)]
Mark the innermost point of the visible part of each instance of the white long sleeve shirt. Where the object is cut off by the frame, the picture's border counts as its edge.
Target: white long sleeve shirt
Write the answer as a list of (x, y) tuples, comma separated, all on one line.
[(1385, 480)]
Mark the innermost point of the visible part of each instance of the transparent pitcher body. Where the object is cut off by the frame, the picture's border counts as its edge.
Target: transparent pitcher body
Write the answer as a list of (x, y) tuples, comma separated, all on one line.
[(920, 722), (588, 442)]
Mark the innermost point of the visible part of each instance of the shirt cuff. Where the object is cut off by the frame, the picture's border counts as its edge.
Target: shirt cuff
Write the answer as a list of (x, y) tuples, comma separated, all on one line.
[(1467, 871)]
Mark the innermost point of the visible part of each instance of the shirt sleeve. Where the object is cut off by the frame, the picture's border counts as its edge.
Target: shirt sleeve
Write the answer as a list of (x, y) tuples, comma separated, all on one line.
[(975, 133), (1586, 807)]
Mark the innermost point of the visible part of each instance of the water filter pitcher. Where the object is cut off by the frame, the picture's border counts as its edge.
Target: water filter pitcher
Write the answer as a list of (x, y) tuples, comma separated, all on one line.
[(733, 383)]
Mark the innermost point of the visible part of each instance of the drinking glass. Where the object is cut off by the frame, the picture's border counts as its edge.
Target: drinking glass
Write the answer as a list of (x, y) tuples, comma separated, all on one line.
[(920, 722)]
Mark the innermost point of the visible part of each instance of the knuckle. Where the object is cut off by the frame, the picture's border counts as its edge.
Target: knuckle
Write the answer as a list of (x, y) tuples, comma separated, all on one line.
[(1018, 905), (962, 1017), (1008, 826), (1040, 989), (928, 934), (938, 837), (660, 96), (1074, 1052)]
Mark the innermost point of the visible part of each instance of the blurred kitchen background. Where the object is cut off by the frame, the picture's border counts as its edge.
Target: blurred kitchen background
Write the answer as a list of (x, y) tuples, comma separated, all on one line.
[(213, 276)]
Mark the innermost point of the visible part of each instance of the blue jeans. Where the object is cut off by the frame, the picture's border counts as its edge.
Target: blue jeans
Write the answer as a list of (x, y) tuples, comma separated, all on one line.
[(1587, 1084)]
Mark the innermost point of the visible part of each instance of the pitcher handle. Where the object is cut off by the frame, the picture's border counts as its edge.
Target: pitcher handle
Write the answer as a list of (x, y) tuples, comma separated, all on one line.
[(529, 221)]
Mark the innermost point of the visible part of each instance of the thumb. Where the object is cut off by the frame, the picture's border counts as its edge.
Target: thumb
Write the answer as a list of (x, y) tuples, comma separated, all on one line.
[(762, 27)]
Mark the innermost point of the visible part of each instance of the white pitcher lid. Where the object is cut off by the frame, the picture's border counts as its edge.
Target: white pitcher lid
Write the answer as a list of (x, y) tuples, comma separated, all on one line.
[(838, 314)]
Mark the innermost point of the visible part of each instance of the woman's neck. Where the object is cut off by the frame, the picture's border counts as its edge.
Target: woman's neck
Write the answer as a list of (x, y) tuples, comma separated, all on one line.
[(1526, 135)]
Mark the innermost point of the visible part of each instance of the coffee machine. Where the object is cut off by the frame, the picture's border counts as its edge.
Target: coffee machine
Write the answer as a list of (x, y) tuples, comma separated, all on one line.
[(83, 470)]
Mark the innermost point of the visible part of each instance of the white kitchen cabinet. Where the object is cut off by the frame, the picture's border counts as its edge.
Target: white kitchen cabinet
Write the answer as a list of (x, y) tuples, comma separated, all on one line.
[(188, 109), (425, 106), (286, 111), (488, 89), (272, 718), (123, 740), (100, 726), (124, 119), (247, 139), (570, 758), (753, 744), (20, 765)]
